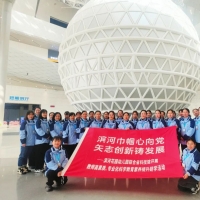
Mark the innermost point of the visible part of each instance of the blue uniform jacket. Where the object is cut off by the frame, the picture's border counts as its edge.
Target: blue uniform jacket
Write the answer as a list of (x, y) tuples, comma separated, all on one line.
[(27, 132), (187, 128), (190, 160), (119, 119), (42, 131), (109, 124), (126, 124), (174, 122), (56, 128), (134, 121), (95, 123), (69, 132), (158, 123), (81, 125), (55, 158), (144, 124), (197, 129)]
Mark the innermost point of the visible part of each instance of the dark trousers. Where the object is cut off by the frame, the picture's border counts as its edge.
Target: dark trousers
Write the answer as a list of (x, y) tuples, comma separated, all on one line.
[(69, 149), (40, 151), (25, 152), (187, 184), (198, 146), (51, 177), (31, 160)]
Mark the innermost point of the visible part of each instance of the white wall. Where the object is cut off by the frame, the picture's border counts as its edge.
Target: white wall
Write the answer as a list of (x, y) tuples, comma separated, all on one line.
[(32, 50), (40, 96)]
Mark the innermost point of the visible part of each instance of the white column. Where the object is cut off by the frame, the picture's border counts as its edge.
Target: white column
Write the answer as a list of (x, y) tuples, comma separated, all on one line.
[(5, 20)]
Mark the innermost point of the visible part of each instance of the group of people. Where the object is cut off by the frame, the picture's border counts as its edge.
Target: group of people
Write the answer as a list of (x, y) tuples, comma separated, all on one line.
[(43, 135)]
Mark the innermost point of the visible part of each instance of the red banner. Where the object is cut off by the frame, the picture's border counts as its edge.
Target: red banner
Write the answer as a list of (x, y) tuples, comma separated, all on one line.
[(110, 153)]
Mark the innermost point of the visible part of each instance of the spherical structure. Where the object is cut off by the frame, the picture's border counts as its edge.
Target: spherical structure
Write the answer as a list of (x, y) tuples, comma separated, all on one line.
[(130, 55)]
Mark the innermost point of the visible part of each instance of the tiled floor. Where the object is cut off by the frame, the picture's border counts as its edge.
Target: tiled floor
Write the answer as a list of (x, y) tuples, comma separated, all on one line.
[(31, 186)]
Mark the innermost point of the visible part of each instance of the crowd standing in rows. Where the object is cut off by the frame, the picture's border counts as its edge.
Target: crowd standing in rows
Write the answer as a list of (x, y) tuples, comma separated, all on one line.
[(50, 137)]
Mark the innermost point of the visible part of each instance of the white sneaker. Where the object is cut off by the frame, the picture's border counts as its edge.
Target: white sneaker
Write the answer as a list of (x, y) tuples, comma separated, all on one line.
[(37, 171), (196, 190)]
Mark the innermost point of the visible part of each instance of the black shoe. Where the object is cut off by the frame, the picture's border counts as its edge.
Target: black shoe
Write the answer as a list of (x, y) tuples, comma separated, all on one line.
[(49, 188), (21, 171), (64, 180), (26, 169)]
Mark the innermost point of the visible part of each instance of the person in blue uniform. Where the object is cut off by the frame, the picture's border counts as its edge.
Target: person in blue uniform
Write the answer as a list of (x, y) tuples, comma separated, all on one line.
[(56, 160), (149, 115), (110, 122), (191, 168), (66, 118), (27, 141), (143, 123), (97, 122), (157, 121), (82, 125), (172, 121), (69, 134), (56, 127), (126, 124), (106, 115), (91, 115), (78, 116), (42, 140), (134, 118), (50, 120), (119, 118), (163, 115), (197, 132), (187, 127)]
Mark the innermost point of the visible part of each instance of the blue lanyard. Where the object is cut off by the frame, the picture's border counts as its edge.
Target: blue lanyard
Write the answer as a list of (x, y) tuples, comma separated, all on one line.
[(156, 124), (57, 157), (142, 123), (110, 125)]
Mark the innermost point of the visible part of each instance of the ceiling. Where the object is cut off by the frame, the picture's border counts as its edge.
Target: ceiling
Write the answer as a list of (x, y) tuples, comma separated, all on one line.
[(26, 66)]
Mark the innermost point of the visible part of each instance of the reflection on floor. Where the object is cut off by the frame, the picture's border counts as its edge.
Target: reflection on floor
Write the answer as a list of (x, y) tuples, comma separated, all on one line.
[(31, 186)]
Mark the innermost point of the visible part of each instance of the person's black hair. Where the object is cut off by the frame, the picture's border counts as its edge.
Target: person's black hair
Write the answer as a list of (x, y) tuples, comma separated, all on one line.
[(135, 112), (163, 112), (91, 112), (112, 113), (50, 113), (195, 109), (83, 112), (186, 110), (143, 111), (120, 111), (170, 110), (56, 113), (181, 110), (97, 112), (57, 138), (158, 111), (28, 113), (78, 113), (106, 112), (37, 107), (149, 111), (71, 114), (66, 113), (40, 115), (191, 139), (126, 113)]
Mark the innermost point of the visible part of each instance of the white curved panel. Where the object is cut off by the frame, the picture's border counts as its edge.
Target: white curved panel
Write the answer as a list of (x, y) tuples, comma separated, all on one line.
[(130, 55)]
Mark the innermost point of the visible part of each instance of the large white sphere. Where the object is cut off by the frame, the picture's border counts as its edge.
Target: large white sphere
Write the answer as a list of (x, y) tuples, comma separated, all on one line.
[(130, 55)]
